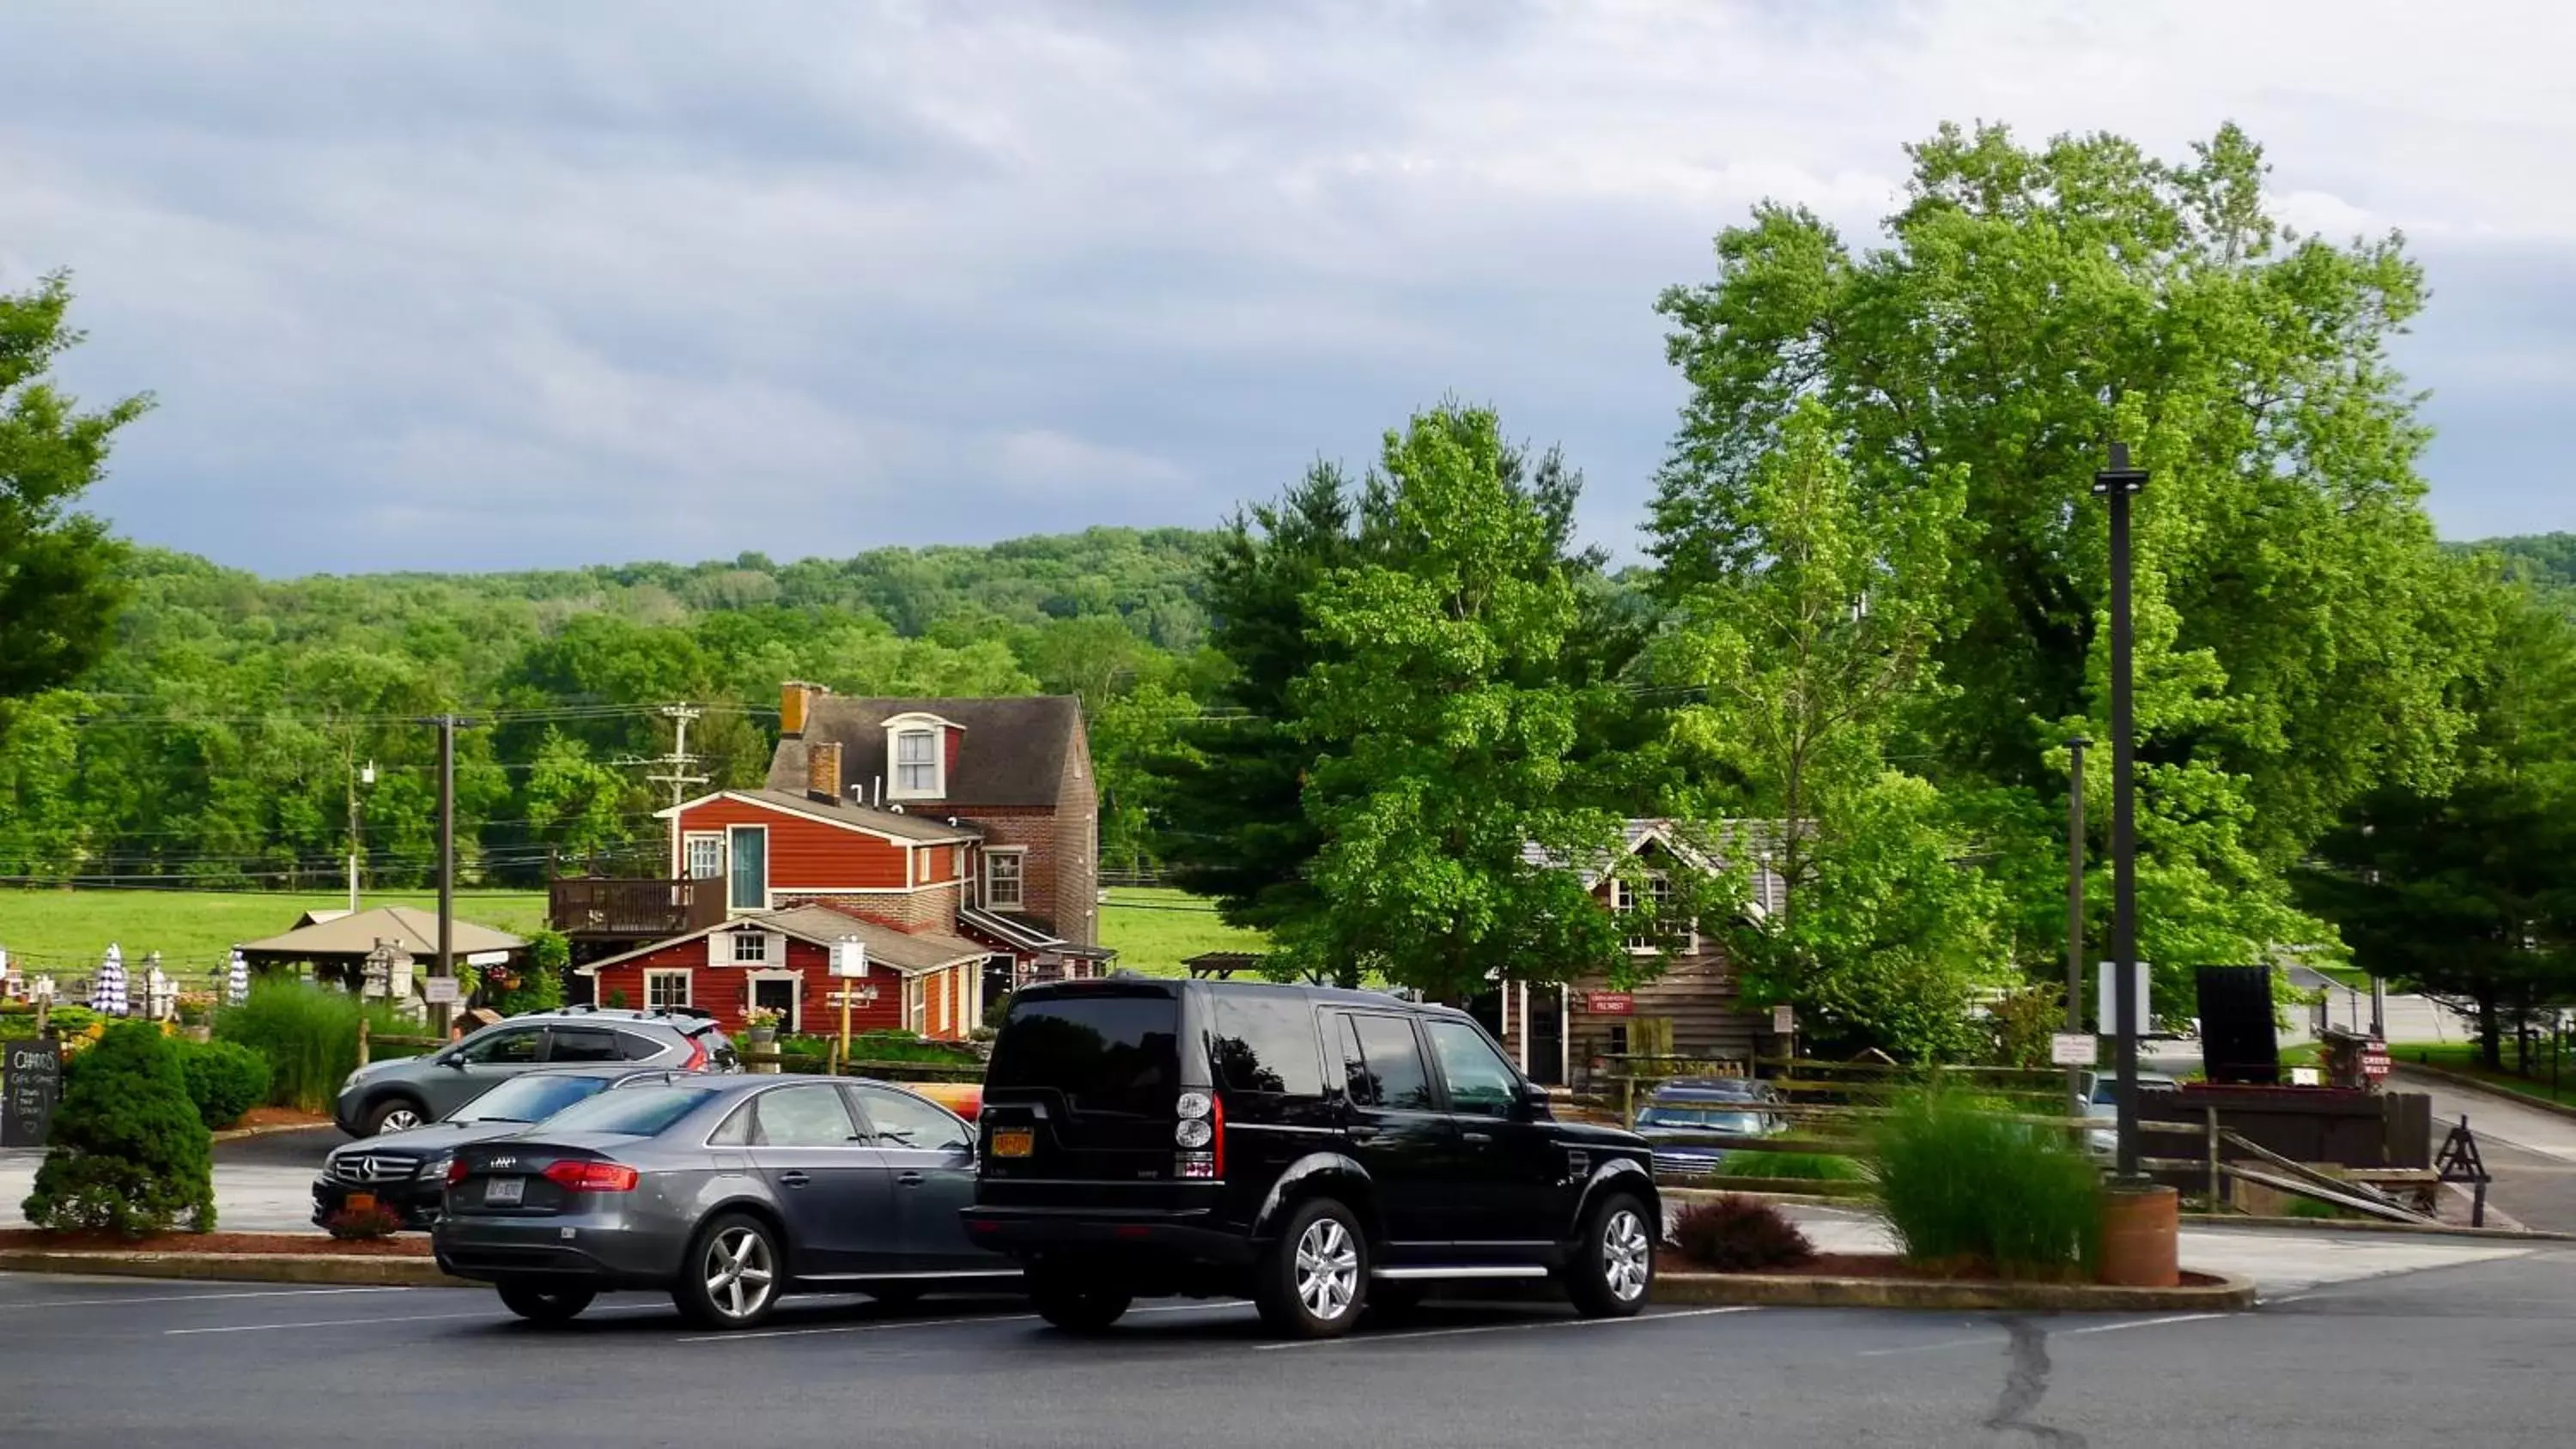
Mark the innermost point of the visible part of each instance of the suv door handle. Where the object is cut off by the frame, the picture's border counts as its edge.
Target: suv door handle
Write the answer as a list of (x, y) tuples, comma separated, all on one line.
[(793, 1179), (909, 1179), (1476, 1137)]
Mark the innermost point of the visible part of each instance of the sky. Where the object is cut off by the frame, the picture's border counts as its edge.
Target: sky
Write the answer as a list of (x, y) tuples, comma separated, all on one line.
[(497, 285)]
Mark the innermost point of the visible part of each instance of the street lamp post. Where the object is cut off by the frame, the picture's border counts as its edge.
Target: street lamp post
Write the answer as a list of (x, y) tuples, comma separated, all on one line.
[(2075, 913), (2116, 485)]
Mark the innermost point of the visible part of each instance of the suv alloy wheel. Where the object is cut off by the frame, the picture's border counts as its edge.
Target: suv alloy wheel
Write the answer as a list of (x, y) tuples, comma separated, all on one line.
[(395, 1114), (1314, 1281), (1613, 1263)]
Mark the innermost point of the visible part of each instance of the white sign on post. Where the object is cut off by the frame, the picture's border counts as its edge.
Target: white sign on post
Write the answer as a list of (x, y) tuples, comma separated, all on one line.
[(2074, 1048), (488, 958), (1783, 1021), (438, 990), (849, 957), (2108, 1004)]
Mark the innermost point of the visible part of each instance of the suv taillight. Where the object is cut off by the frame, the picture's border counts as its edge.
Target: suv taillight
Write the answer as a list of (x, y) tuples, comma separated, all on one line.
[(574, 1176), (1200, 1136), (697, 1061)]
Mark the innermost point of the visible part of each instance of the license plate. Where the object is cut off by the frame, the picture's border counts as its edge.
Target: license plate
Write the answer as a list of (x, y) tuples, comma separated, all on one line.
[(504, 1191), (360, 1202), (1014, 1142)]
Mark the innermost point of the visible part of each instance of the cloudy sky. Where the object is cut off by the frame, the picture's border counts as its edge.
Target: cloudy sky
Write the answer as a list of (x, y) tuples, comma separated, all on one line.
[(467, 285)]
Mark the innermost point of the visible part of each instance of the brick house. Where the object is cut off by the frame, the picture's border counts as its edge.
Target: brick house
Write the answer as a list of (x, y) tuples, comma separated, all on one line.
[(925, 981), (1691, 1010), (970, 821)]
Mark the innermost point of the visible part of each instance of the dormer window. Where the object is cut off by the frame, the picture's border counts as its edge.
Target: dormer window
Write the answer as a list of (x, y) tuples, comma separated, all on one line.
[(917, 753), (916, 762)]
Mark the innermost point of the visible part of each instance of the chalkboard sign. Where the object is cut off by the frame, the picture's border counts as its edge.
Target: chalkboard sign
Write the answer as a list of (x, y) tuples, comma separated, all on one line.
[(31, 1082)]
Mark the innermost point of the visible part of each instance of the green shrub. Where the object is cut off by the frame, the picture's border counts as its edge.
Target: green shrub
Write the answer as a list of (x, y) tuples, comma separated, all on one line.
[(539, 984), (1959, 1182), (1791, 1167), (225, 1079), (129, 1154), (309, 1035), (65, 1021), (1736, 1234)]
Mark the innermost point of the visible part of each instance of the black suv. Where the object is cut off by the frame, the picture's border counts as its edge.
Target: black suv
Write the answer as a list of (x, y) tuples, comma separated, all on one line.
[(1317, 1151)]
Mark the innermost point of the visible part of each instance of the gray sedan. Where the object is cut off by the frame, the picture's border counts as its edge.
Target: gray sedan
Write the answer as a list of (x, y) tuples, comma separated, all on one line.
[(726, 1193)]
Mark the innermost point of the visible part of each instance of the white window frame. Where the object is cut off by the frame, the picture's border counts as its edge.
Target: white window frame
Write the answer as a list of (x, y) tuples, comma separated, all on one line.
[(735, 957), (1623, 898), (916, 1006), (690, 841), (688, 987), (897, 787), (1019, 855)]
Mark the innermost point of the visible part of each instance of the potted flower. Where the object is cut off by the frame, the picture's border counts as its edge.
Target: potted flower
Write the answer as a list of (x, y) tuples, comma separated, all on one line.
[(762, 1022)]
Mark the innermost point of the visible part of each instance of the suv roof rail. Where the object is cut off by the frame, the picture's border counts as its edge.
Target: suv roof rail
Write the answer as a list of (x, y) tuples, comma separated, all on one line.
[(694, 1013)]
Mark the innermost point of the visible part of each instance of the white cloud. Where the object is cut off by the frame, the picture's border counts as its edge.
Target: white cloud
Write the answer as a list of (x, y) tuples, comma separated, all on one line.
[(551, 283)]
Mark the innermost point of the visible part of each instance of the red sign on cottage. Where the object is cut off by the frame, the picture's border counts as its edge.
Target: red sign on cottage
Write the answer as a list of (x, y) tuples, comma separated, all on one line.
[(1609, 1003)]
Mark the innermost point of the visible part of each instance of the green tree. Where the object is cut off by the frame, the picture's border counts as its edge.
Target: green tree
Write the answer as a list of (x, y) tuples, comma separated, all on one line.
[(1447, 733), (574, 803), (129, 1153), (2030, 305), (2469, 896), (58, 585), (1807, 647)]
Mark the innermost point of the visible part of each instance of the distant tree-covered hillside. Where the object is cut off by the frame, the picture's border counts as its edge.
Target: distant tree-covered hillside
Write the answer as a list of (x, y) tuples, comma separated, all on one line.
[(222, 738)]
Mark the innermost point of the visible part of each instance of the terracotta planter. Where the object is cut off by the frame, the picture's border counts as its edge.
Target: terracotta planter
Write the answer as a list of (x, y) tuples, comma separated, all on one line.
[(2140, 1248)]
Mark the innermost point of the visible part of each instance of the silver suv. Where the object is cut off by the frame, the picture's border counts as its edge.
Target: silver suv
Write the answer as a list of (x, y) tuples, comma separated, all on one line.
[(402, 1093)]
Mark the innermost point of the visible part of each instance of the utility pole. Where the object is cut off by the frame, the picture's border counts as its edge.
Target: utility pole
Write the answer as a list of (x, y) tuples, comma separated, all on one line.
[(445, 965), (357, 828), (2116, 485), (2075, 914), (677, 763)]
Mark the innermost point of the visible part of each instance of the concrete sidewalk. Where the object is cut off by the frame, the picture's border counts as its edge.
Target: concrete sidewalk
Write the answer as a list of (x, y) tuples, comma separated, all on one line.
[(2282, 1263)]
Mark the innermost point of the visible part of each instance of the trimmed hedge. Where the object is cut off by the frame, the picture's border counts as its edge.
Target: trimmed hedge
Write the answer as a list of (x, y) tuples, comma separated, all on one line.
[(129, 1153), (224, 1079)]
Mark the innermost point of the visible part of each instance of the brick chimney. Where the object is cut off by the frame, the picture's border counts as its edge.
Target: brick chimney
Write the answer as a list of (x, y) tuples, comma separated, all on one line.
[(823, 770), (796, 700)]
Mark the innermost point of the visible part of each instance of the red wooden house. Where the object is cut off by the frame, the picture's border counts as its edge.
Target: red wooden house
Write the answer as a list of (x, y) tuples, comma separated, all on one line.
[(969, 824), (929, 982)]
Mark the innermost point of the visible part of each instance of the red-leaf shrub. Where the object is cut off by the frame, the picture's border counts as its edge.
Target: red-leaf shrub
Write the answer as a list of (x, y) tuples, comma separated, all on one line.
[(364, 1224), (1737, 1234)]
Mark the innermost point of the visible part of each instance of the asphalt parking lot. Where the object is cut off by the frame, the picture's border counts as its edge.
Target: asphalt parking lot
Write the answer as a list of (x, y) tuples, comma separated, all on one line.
[(2473, 1354)]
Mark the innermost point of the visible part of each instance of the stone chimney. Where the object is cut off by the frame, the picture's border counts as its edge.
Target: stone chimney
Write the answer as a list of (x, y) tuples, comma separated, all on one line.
[(823, 770), (795, 701)]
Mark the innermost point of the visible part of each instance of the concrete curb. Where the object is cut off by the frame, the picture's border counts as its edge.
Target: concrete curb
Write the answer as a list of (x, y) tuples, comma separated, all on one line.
[(2230, 1295), (2315, 1226), (316, 1268), (2467, 1083)]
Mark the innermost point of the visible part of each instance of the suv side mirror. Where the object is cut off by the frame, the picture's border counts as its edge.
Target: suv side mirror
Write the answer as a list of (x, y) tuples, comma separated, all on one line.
[(1532, 1102)]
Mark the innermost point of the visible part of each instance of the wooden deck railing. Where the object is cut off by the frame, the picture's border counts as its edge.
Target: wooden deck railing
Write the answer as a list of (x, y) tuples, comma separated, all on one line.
[(606, 906)]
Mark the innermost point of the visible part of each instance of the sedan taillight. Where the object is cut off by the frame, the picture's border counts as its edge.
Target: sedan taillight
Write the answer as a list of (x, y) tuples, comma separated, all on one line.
[(574, 1176), (455, 1171)]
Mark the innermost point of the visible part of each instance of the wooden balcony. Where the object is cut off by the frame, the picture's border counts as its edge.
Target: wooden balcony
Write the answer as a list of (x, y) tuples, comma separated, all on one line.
[(599, 907)]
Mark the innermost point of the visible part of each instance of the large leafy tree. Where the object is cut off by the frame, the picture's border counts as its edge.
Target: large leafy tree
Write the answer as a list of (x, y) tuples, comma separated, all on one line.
[(1446, 726), (59, 588), (1804, 651), (2028, 306), (2469, 895)]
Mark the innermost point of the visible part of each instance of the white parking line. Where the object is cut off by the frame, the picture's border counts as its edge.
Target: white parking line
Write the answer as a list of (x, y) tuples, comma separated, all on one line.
[(189, 1297), (1991, 1340), (498, 1316), (2142, 1323), (1534, 1326)]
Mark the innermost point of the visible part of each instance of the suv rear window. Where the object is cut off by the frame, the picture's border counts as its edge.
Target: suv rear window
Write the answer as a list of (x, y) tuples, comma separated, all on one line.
[(1265, 1043), (1104, 1053)]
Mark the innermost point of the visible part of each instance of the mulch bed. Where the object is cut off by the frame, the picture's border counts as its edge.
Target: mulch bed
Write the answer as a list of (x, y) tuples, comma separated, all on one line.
[(410, 1245), (282, 1117), (1888, 1265)]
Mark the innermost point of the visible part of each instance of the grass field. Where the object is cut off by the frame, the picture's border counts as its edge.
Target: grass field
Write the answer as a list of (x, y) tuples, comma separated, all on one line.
[(2462, 1057), (1154, 930), (195, 930)]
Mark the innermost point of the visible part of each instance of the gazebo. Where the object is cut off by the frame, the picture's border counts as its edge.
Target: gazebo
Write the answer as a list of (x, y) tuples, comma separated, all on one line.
[(340, 946)]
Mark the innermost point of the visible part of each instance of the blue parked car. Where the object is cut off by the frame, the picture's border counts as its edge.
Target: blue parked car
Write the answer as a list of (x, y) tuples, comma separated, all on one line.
[(1732, 1105)]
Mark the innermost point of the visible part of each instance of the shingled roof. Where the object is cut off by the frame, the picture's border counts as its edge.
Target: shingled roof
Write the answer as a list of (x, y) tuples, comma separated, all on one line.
[(1012, 753)]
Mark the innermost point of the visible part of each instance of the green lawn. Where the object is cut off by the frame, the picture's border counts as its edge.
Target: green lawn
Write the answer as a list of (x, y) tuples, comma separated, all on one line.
[(2463, 1057), (195, 931), (1154, 930)]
